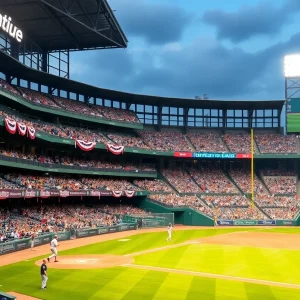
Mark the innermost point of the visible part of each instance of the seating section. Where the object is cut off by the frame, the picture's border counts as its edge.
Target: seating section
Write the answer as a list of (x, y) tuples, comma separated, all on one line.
[(127, 140), (23, 221), (75, 162), (280, 182), (6, 86), (276, 143), (238, 142), (181, 180), (213, 180), (108, 184), (174, 200), (250, 213), (207, 142), (37, 98), (286, 213), (77, 107), (165, 140), (226, 200), (242, 179), (153, 185)]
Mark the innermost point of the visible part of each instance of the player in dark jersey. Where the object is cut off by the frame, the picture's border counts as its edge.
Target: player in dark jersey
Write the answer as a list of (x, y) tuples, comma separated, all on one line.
[(44, 275)]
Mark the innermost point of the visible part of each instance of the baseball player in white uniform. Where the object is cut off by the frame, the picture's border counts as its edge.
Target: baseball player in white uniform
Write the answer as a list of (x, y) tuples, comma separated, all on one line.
[(170, 230), (53, 248)]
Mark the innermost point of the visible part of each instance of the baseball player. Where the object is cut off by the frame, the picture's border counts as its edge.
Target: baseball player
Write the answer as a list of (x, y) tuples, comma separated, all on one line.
[(170, 230), (44, 275), (53, 248), (32, 241)]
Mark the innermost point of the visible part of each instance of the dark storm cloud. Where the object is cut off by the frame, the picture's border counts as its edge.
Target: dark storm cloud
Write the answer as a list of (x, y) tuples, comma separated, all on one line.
[(202, 67), (156, 23), (249, 21)]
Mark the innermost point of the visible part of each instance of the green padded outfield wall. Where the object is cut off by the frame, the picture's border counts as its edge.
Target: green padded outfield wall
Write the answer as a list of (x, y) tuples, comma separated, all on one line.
[(184, 215)]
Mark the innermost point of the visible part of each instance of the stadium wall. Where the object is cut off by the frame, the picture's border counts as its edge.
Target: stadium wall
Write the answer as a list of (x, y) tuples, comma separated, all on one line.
[(184, 215)]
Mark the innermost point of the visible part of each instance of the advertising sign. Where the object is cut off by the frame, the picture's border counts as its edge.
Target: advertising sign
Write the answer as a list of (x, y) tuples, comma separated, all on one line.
[(7, 26)]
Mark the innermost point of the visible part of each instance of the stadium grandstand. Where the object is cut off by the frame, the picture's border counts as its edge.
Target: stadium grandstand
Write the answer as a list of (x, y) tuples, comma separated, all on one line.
[(78, 156)]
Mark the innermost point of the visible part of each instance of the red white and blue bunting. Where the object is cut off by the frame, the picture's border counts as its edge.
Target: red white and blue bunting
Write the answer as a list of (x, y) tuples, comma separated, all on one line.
[(129, 194), (10, 125), (116, 150), (117, 194), (22, 128), (85, 146), (31, 132)]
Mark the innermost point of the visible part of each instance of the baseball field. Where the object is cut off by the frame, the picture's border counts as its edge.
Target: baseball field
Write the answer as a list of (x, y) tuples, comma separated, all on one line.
[(201, 263)]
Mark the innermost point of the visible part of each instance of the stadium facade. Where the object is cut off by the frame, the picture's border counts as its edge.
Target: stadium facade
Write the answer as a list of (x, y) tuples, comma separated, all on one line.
[(64, 141)]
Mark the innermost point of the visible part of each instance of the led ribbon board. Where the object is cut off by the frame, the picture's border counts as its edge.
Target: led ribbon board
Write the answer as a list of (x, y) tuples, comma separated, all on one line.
[(7, 26), (211, 155)]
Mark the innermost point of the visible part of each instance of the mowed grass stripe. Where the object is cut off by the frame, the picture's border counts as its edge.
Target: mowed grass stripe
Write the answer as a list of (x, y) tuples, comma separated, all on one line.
[(264, 292), (230, 291), (152, 281), (218, 276), (206, 287), (119, 286), (174, 287), (250, 262)]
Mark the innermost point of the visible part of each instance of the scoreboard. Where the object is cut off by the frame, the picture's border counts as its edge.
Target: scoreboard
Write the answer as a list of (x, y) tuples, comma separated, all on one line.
[(293, 115)]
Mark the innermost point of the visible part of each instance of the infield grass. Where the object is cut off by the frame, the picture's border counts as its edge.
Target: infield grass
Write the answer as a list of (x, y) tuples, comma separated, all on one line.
[(127, 283)]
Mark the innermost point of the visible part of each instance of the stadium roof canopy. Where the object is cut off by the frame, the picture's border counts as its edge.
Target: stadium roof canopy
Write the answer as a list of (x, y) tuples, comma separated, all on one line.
[(11, 66), (66, 24)]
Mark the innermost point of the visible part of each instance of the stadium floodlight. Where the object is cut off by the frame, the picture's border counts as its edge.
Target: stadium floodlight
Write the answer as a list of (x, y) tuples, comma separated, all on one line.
[(292, 65)]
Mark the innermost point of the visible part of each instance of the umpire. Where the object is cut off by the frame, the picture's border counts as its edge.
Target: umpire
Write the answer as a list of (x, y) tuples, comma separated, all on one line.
[(44, 275)]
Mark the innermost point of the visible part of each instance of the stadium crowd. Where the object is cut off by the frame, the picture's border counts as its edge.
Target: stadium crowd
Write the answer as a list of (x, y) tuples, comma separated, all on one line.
[(181, 180), (174, 200), (168, 140), (165, 140), (240, 213), (226, 200), (68, 161), (207, 142), (238, 142), (281, 185), (276, 143), (35, 220), (38, 182), (155, 185), (213, 180)]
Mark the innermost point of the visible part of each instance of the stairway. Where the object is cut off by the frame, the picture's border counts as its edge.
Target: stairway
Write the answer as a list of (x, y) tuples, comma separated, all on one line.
[(189, 142)]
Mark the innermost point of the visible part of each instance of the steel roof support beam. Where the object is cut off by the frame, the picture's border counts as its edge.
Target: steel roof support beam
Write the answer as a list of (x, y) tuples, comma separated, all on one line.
[(85, 14), (52, 7)]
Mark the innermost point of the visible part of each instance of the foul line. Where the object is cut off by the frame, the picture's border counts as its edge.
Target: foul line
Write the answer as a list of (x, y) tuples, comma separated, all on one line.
[(216, 276)]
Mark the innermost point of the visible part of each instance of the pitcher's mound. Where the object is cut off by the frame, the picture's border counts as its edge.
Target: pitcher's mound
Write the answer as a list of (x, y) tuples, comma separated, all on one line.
[(86, 261)]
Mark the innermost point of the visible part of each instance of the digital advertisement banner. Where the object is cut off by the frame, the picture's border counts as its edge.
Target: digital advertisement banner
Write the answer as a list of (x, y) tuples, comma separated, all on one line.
[(5, 194), (256, 222), (198, 155)]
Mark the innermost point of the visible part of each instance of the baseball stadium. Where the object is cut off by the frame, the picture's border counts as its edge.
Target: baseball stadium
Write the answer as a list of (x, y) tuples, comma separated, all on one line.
[(145, 197)]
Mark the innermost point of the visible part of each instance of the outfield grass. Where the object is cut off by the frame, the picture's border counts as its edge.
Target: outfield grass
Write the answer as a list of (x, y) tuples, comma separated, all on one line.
[(134, 284)]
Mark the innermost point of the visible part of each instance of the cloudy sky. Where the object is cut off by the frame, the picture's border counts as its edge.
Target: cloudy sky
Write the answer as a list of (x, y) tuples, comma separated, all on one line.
[(228, 49)]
